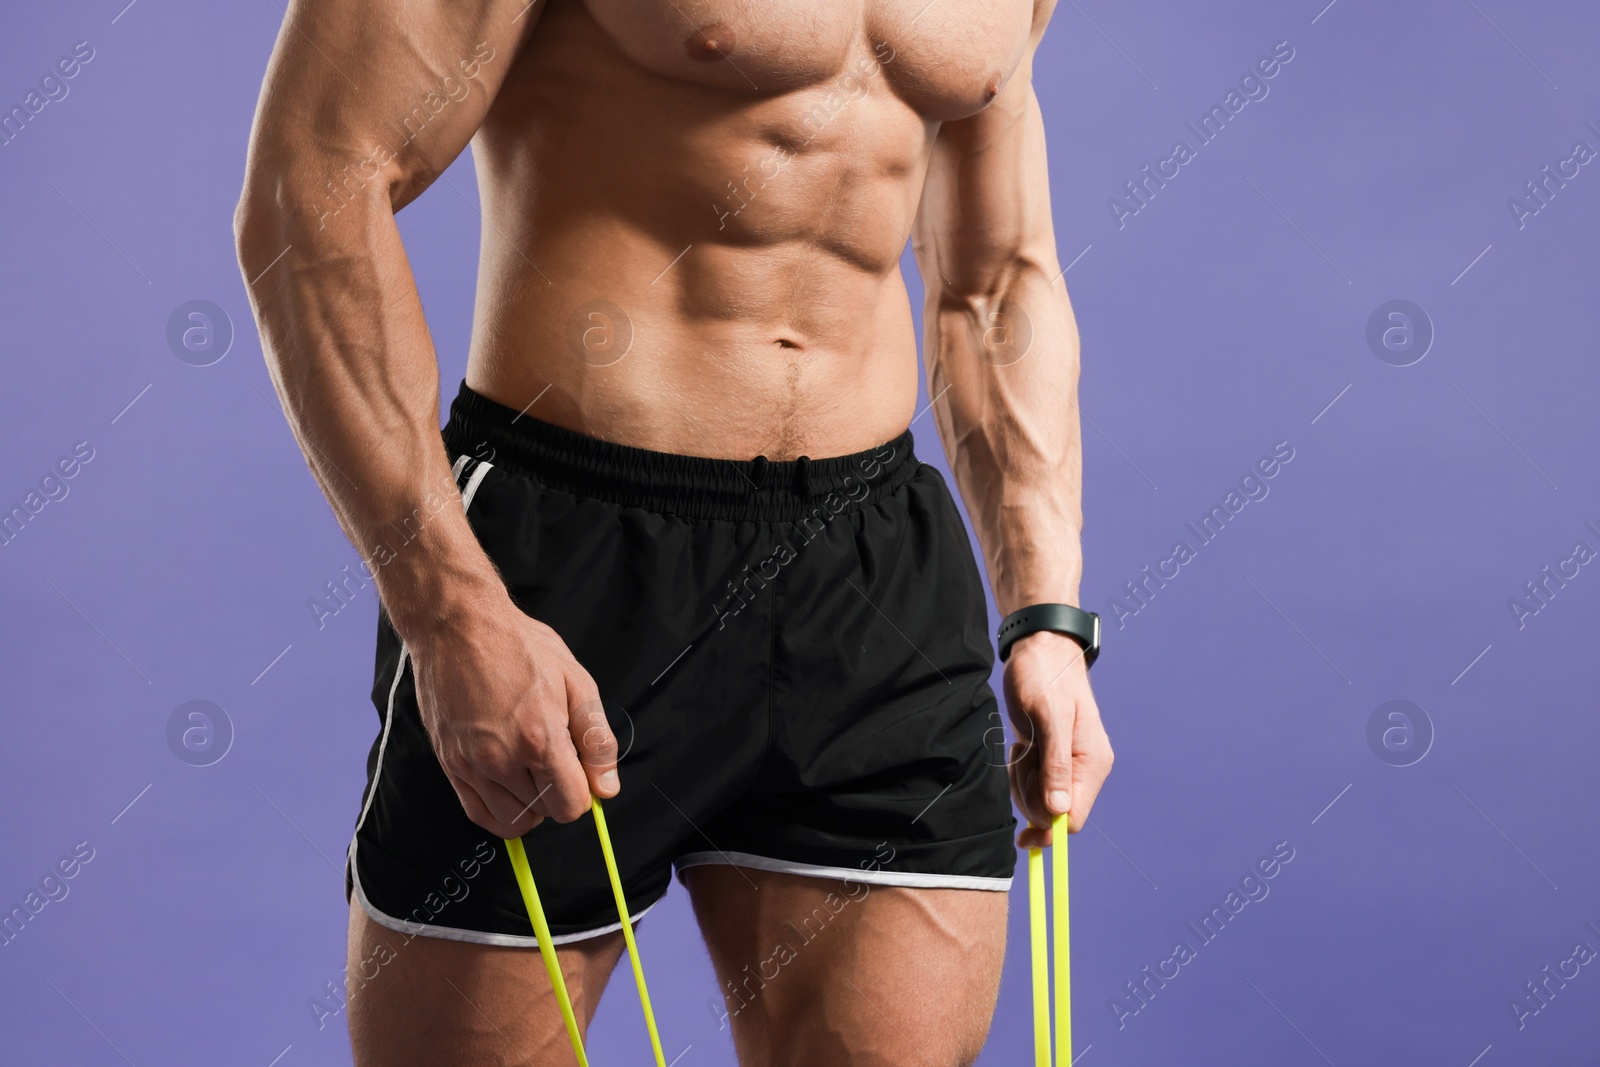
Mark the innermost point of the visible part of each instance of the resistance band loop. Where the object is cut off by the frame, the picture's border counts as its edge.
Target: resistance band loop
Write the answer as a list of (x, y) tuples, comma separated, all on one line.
[(1041, 959), (627, 931), (1061, 917), (530, 897)]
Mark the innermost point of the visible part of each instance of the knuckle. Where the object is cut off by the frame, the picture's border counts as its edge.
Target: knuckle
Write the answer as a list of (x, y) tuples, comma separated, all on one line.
[(534, 746), (495, 764), (567, 809), (599, 742), (582, 694)]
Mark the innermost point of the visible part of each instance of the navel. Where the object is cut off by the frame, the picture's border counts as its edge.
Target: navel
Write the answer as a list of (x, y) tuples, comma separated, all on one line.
[(711, 43)]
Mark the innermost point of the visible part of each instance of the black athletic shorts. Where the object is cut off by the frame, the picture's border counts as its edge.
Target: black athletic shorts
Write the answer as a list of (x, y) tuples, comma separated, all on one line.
[(794, 657)]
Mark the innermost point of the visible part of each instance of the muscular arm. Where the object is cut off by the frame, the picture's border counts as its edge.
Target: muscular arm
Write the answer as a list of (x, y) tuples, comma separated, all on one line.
[(341, 322), (363, 106), (1002, 353)]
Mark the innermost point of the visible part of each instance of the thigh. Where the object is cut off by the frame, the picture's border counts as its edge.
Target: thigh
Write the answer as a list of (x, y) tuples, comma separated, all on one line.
[(429, 1002), (815, 970)]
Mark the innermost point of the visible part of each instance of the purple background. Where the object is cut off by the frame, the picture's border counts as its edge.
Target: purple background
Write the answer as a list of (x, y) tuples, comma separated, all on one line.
[(1224, 317)]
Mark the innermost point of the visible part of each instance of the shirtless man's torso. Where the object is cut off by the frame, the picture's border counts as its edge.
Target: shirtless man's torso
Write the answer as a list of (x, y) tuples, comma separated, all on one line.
[(689, 283)]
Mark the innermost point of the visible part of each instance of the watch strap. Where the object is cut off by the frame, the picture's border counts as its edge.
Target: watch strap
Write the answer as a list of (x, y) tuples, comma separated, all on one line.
[(1082, 626)]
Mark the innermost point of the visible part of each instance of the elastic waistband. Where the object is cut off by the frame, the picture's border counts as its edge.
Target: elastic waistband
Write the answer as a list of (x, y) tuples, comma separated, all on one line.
[(756, 489)]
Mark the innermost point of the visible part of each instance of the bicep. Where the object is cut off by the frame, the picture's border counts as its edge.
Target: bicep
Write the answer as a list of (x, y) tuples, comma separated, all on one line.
[(379, 96)]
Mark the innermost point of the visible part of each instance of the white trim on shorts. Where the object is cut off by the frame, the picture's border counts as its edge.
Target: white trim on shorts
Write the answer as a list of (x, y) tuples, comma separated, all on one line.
[(906, 879), (470, 490), (477, 937), (383, 742)]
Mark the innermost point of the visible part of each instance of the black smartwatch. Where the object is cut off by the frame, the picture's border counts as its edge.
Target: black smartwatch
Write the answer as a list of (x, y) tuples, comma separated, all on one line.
[(1082, 626)]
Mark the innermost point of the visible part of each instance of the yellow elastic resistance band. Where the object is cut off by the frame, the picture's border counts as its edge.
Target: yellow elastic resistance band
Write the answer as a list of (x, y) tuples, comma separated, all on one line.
[(1061, 918), (530, 897), (547, 949), (1041, 959), (627, 931)]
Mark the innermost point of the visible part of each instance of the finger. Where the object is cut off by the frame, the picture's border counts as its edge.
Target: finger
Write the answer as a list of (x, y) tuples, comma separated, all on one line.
[(1037, 833), (1025, 789), (1055, 730), (532, 793), (1023, 772), (553, 762), (1089, 770), (472, 803), (593, 739), (1033, 837), (529, 793), (511, 777), (508, 809)]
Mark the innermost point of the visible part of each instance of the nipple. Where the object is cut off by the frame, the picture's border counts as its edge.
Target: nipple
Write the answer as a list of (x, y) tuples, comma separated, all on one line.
[(710, 43)]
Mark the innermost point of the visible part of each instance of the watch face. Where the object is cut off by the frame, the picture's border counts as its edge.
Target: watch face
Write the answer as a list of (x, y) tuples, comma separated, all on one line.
[(1096, 639)]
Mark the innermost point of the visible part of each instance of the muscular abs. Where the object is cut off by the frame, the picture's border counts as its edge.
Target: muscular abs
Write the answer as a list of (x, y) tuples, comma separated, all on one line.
[(694, 214)]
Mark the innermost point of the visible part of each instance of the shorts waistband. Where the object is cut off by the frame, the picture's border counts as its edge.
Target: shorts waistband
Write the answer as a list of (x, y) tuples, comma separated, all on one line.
[(756, 489)]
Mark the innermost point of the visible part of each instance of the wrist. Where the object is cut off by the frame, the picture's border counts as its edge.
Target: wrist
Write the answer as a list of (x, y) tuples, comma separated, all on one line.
[(1064, 621), (1048, 641), (422, 621), (432, 591)]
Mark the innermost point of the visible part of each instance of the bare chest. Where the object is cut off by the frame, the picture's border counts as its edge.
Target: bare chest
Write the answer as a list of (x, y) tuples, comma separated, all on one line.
[(946, 59)]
